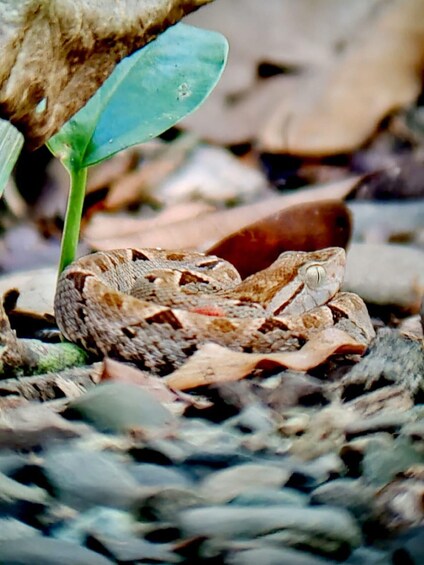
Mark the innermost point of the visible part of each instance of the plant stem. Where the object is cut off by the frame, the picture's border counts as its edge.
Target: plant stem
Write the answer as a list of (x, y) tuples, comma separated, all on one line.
[(72, 225)]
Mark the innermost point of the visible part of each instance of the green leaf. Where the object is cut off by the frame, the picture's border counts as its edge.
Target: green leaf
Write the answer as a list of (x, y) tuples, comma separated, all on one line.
[(146, 94), (11, 141)]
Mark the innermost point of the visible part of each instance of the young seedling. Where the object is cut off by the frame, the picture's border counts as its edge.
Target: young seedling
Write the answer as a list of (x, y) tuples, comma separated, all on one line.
[(146, 94)]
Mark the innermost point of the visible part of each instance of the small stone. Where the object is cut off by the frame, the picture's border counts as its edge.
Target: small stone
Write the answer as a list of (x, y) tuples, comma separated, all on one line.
[(102, 520), (201, 463), (226, 484), (369, 556), (15, 496), (166, 504), (47, 551), (293, 389), (330, 531), (252, 419), (307, 476), (121, 407), (131, 549), (275, 556), (381, 464), (269, 496), (393, 358), (409, 548), (148, 474), (384, 422), (385, 274), (350, 494), (11, 529), (82, 478)]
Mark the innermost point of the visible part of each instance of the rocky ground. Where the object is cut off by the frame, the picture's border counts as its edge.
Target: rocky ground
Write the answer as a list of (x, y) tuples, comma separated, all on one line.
[(293, 468)]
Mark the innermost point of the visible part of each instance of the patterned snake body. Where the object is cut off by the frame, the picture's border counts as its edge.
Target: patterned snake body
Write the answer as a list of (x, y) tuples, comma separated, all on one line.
[(155, 307)]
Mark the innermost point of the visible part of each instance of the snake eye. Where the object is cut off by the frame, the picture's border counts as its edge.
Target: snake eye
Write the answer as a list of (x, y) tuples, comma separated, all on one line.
[(315, 276)]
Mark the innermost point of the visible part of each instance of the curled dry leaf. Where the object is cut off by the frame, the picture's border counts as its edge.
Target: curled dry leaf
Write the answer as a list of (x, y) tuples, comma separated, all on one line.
[(304, 227), (288, 37), (82, 41), (338, 108), (203, 230), (213, 364)]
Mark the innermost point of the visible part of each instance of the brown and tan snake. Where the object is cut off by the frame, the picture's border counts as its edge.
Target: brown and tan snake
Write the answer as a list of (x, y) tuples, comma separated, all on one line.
[(155, 307)]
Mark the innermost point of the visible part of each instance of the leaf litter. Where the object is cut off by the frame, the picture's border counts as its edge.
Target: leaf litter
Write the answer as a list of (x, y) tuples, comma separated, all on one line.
[(334, 402)]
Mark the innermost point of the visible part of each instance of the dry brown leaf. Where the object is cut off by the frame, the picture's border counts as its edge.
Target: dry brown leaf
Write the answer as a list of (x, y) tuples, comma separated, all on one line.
[(213, 363), (117, 227), (292, 35), (337, 109), (81, 41), (36, 291), (204, 230), (121, 372), (304, 227)]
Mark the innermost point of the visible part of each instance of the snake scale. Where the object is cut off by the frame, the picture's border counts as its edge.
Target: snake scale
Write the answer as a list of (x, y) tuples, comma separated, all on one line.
[(155, 307)]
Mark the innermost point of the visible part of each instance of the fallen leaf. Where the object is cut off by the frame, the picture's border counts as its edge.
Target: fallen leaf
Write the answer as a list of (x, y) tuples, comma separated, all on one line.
[(205, 230), (36, 291), (82, 42), (293, 37), (116, 227), (213, 363), (177, 402), (305, 227), (335, 110)]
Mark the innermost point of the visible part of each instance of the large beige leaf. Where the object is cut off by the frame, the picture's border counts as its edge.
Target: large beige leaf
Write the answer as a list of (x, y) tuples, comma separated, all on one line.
[(355, 63), (337, 109), (202, 230), (56, 53), (295, 35)]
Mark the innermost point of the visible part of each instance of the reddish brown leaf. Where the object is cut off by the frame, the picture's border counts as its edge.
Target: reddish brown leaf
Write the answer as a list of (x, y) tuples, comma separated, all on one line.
[(305, 227)]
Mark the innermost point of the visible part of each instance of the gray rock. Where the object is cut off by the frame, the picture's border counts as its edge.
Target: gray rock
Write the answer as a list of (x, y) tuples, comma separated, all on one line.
[(226, 484), (132, 549), (253, 418), (82, 478), (380, 464), (46, 551), (121, 407), (14, 493), (270, 497), (11, 461), (393, 358), (391, 422), (166, 504), (274, 556), (149, 474), (11, 529), (369, 556), (328, 530), (102, 520), (307, 476), (350, 494), (385, 273), (387, 218), (409, 548)]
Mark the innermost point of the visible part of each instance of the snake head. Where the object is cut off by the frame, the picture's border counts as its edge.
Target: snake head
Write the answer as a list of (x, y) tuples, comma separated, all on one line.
[(310, 279)]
